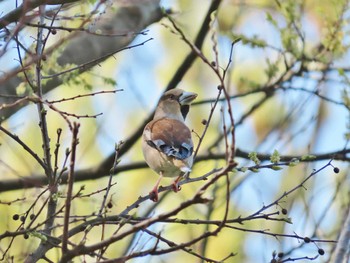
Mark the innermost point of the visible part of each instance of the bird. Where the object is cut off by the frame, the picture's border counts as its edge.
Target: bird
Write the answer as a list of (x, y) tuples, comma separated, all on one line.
[(167, 144)]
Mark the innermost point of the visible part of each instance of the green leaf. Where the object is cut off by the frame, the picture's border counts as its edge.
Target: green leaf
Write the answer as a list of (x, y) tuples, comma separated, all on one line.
[(271, 69), (275, 157), (341, 72), (294, 162), (276, 168), (110, 81), (345, 95), (271, 19), (254, 157), (308, 157), (243, 169)]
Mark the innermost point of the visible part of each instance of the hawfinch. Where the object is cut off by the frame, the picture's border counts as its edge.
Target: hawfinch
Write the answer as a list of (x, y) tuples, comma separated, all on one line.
[(166, 141)]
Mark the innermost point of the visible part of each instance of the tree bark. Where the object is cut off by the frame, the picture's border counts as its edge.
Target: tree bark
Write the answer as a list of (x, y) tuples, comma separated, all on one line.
[(127, 19)]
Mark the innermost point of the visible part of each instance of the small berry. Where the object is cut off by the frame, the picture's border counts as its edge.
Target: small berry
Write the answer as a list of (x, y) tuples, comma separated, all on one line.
[(22, 218), (280, 255), (109, 205), (307, 240), (213, 63), (25, 236), (321, 251), (15, 217), (284, 211), (204, 122), (336, 170), (53, 31), (32, 216)]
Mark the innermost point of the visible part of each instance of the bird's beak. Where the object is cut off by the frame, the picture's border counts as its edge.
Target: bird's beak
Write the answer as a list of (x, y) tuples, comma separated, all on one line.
[(187, 97)]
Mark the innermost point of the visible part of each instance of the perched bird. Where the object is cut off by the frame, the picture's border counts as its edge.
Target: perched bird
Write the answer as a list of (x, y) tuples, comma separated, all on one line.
[(166, 141)]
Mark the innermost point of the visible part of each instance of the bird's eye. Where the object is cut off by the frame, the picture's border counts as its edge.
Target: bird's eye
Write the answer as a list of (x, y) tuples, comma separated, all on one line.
[(172, 97)]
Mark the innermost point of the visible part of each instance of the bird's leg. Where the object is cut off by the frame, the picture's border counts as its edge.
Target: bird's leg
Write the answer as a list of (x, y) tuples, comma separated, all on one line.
[(187, 175), (153, 195), (175, 184)]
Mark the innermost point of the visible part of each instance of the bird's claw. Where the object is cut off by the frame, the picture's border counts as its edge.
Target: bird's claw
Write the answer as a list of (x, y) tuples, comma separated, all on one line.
[(153, 195), (176, 187)]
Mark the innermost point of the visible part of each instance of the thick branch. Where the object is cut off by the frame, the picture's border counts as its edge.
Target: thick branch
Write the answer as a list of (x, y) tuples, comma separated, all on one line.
[(18, 13), (86, 47), (104, 169)]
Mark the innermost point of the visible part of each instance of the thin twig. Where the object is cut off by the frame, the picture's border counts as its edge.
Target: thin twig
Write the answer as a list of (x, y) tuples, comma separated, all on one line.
[(70, 187), (83, 67), (25, 146), (113, 169)]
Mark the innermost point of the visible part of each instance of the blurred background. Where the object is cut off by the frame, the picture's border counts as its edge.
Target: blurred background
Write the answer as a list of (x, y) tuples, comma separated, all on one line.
[(289, 82)]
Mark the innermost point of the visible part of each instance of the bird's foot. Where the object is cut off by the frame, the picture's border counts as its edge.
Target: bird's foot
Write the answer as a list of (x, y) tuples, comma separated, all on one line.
[(176, 187), (153, 195)]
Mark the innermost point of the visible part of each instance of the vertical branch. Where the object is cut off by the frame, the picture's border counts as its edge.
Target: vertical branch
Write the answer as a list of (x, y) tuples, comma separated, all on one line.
[(59, 131), (41, 109), (231, 155), (108, 188), (75, 142), (229, 108), (112, 172), (224, 128), (207, 123), (191, 57), (44, 127), (52, 204), (221, 76)]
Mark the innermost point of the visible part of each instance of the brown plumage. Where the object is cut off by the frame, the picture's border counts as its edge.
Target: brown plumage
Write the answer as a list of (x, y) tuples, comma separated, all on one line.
[(166, 142)]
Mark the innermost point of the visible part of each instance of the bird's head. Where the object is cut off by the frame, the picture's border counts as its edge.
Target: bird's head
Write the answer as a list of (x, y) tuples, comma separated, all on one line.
[(174, 104)]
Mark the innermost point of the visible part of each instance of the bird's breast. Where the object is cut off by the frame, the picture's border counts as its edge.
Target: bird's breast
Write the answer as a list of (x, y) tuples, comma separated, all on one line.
[(169, 166)]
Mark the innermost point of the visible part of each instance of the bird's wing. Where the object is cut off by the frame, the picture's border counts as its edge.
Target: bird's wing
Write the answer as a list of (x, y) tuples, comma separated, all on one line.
[(171, 137)]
